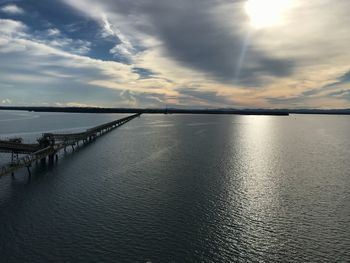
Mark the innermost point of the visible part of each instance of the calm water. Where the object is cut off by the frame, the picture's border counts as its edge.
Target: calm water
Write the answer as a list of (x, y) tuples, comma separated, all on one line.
[(182, 188)]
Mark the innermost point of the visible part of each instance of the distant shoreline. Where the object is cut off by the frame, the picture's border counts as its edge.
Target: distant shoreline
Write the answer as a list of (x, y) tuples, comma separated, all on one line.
[(276, 112)]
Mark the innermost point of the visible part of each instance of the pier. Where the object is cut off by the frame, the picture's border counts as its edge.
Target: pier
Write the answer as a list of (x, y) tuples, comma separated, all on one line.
[(49, 145)]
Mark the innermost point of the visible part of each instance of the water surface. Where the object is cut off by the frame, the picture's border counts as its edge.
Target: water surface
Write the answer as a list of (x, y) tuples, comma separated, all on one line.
[(182, 188)]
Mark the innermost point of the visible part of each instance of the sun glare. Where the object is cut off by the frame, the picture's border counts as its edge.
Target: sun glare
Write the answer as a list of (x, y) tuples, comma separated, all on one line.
[(267, 13)]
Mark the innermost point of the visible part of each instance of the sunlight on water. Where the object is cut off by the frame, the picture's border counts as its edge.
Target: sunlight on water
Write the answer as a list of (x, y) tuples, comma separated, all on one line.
[(184, 188)]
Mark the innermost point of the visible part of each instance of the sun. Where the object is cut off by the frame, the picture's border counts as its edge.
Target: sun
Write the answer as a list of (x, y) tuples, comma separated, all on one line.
[(267, 13)]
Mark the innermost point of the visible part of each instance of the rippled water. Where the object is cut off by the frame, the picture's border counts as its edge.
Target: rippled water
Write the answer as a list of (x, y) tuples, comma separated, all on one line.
[(182, 188)]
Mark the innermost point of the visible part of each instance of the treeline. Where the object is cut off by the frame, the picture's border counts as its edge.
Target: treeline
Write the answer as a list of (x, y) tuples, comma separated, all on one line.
[(278, 112)]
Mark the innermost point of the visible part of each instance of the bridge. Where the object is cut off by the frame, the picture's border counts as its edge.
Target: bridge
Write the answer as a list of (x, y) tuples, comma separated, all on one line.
[(16, 146), (50, 144)]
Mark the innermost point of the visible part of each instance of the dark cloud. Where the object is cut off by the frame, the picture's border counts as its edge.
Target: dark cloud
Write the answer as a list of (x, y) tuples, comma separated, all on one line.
[(293, 101), (335, 85), (144, 73), (191, 94), (194, 33), (340, 92), (199, 37), (344, 94), (332, 89), (345, 77), (195, 37)]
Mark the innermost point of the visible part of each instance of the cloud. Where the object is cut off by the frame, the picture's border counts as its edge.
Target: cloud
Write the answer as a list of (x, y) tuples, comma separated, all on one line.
[(6, 101), (74, 46), (199, 38), (193, 52), (73, 104), (123, 48), (341, 93), (345, 77), (205, 98), (12, 10), (12, 27), (53, 32), (36, 66), (192, 33), (331, 88)]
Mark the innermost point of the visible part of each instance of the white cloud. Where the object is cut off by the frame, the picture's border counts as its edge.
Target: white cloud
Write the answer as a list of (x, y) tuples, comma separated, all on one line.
[(80, 47), (11, 27), (6, 101), (114, 26), (124, 48), (12, 10), (73, 104), (42, 63), (53, 32)]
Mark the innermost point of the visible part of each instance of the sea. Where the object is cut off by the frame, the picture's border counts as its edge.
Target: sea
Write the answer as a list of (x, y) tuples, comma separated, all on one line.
[(181, 188)]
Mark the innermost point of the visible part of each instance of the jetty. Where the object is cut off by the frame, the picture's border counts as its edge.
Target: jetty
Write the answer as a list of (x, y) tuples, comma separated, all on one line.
[(49, 144)]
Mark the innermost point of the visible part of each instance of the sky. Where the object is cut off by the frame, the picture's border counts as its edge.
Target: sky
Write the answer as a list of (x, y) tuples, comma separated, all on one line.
[(183, 53)]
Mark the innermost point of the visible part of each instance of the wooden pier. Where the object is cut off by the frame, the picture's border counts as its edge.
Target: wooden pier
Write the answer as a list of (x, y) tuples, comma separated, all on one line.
[(50, 144)]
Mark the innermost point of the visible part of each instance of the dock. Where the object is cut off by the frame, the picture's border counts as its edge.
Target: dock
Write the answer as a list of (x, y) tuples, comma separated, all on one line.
[(49, 144)]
